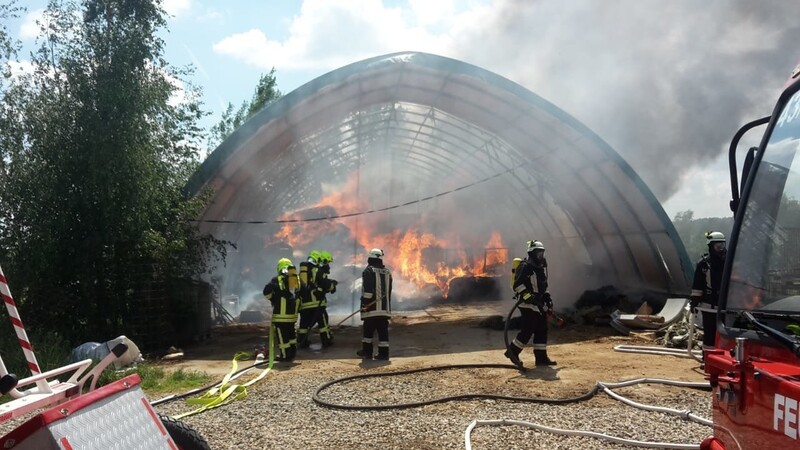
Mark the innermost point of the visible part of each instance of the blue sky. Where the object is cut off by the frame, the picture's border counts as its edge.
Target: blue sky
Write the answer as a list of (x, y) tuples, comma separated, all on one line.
[(666, 84)]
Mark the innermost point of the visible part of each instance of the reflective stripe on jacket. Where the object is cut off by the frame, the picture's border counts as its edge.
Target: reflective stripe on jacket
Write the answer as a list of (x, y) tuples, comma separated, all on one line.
[(376, 292), (530, 282)]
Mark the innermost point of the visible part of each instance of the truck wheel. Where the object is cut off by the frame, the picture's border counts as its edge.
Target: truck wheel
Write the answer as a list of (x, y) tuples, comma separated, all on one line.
[(184, 436)]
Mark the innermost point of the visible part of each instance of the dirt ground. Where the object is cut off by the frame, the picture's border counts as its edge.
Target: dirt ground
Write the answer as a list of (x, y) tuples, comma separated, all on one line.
[(445, 335)]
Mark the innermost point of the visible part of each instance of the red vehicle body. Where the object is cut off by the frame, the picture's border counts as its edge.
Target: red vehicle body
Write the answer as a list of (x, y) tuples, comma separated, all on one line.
[(755, 367)]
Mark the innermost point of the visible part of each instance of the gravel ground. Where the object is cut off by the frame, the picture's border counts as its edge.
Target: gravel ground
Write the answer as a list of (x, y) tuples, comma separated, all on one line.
[(281, 413)]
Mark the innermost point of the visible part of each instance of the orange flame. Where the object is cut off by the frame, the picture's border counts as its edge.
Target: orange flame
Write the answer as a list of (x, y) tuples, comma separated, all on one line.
[(420, 258)]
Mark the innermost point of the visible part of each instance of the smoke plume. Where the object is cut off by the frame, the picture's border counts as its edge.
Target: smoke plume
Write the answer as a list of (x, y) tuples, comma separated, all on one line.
[(666, 84)]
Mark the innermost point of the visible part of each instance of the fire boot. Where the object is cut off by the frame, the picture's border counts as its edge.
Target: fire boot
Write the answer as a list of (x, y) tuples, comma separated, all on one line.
[(542, 359), (327, 339), (366, 351), (302, 340), (383, 353), (291, 352), (512, 353)]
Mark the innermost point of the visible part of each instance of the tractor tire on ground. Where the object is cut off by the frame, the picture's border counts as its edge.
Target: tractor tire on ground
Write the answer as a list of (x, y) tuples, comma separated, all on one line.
[(184, 436)]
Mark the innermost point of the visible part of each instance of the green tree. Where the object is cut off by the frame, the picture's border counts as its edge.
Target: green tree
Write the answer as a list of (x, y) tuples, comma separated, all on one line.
[(265, 93), (96, 153), (692, 231)]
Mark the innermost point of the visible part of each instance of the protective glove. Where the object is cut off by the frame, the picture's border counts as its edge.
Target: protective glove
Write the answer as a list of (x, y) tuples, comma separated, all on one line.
[(540, 303), (333, 286), (548, 301), (693, 305)]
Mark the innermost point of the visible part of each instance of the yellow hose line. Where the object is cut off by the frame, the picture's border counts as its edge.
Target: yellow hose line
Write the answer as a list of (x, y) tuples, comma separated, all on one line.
[(227, 393)]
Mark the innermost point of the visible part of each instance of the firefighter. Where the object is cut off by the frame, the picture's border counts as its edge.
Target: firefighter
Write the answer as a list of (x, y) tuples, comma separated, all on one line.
[(308, 296), (530, 284), (281, 293), (706, 284), (376, 305), (325, 286)]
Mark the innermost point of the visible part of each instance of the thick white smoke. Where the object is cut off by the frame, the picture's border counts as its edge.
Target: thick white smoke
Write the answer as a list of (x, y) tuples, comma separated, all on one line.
[(666, 84)]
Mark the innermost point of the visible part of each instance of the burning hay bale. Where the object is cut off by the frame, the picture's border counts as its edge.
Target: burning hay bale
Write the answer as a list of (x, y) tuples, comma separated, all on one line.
[(474, 288)]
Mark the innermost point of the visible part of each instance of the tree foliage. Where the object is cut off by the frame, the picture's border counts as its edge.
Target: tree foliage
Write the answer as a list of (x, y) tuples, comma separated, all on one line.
[(692, 231), (265, 93), (96, 149)]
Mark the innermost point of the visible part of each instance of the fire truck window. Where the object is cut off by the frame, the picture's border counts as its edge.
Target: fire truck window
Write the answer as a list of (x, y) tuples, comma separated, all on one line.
[(766, 266)]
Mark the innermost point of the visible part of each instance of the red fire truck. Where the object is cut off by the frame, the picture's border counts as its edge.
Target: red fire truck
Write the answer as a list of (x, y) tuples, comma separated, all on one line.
[(754, 368), (117, 415)]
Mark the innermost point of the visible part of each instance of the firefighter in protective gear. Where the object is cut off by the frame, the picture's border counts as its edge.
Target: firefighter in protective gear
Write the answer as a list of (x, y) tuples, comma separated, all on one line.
[(706, 284), (325, 286), (376, 305), (281, 293), (530, 285), (308, 297)]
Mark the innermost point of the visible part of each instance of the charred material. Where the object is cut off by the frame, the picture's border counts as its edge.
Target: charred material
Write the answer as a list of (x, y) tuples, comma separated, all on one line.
[(474, 289), (596, 306)]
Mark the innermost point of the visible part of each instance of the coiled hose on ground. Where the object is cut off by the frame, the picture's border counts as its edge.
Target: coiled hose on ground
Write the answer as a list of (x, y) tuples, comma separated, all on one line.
[(600, 386)]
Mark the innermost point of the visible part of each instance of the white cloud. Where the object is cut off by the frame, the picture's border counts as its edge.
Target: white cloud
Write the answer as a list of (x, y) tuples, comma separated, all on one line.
[(331, 33), (429, 12), (179, 95), (176, 7), (211, 15), (29, 28), (20, 68)]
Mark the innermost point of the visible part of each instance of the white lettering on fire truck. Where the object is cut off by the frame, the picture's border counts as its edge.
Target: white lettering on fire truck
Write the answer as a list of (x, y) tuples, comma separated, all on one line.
[(784, 415), (791, 112)]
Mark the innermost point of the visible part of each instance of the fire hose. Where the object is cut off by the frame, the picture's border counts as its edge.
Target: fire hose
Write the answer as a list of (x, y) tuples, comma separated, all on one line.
[(607, 388), (363, 308), (222, 393), (599, 386), (689, 352)]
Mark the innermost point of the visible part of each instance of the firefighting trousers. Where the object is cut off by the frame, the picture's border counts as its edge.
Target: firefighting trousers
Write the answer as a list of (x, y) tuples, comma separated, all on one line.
[(311, 317), (287, 340), (379, 324), (533, 323), (709, 328)]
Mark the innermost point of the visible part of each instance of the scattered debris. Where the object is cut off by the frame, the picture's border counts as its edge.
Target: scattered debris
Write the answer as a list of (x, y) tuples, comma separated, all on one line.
[(674, 309), (251, 316)]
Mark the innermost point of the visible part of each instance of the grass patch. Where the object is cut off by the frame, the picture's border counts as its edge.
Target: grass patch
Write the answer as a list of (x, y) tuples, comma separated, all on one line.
[(156, 380)]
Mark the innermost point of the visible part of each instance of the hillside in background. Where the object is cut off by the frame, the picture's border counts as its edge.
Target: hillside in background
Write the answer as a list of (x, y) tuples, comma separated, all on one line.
[(692, 231)]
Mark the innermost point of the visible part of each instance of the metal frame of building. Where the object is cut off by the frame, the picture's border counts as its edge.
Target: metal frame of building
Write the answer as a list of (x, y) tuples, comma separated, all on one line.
[(467, 141)]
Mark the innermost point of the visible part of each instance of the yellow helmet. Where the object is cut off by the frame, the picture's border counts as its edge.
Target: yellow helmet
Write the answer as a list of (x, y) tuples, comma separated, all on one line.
[(284, 264), (327, 258), (315, 256)]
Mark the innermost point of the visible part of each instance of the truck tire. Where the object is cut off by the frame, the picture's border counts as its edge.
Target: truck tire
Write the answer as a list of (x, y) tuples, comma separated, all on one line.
[(184, 436)]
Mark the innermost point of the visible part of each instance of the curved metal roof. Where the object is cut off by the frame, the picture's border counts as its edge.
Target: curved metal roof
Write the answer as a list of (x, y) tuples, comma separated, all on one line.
[(418, 141)]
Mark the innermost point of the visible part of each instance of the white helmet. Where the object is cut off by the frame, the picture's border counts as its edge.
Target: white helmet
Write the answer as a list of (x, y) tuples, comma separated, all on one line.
[(376, 253), (714, 236), (535, 245)]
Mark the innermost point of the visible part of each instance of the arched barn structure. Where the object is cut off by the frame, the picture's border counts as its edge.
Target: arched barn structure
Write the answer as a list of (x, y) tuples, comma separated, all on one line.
[(446, 166)]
